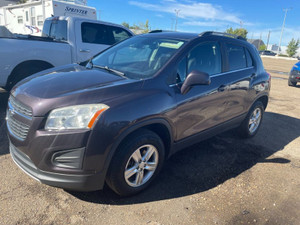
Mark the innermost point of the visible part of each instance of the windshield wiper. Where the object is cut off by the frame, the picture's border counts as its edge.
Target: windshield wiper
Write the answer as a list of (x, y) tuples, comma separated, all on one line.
[(119, 73)]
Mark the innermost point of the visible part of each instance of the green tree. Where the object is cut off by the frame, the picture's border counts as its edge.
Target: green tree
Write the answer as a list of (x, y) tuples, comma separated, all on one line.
[(125, 25), (262, 48), (292, 47), (238, 31), (145, 27), (22, 1), (142, 28)]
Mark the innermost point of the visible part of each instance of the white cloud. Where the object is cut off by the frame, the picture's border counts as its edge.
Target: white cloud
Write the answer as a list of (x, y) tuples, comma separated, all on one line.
[(205, 23), (191, 10), (159, 15)]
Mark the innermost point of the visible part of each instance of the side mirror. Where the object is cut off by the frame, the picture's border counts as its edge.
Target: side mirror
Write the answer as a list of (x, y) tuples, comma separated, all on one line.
[(194, 78)]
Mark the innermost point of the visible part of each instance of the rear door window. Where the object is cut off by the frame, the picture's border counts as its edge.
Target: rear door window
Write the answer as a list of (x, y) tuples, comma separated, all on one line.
[(236, 57), (102, 34)]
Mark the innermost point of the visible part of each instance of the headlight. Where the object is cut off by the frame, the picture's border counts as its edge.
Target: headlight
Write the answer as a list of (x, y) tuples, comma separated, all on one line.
[(74, 117)]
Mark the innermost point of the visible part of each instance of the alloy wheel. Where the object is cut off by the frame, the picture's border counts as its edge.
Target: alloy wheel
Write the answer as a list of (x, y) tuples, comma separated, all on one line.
[(141, 165)]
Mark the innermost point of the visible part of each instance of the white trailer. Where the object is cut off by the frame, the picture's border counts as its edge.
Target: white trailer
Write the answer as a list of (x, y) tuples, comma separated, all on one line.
[(28, 18)]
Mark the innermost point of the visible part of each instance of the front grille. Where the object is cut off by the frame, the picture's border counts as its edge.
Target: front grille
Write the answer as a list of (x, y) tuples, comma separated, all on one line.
[(17, 128), (20, 107)]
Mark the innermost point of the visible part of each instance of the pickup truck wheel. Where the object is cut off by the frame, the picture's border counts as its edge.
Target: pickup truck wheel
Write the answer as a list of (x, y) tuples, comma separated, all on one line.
[(136, 163), (249, 127), (291, 83), (23, 72)]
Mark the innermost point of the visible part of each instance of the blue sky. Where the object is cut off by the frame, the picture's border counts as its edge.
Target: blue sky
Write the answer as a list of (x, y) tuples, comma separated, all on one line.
[(258, 17)]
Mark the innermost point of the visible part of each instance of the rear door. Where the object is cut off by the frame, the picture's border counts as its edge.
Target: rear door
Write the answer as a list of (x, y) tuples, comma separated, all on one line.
[(91, 38), (239, 75)]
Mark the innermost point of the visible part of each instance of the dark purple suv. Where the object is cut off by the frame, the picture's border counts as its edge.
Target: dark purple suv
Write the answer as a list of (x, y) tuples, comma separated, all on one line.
[(118, 117)]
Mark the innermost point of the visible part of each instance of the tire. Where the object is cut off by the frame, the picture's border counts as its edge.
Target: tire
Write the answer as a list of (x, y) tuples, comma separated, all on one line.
[(291, 83), (251, 124), (23, 72), (141, 170)]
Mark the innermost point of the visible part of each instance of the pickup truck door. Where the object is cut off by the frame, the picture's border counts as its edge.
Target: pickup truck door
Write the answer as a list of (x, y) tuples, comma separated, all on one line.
[(92, 38)]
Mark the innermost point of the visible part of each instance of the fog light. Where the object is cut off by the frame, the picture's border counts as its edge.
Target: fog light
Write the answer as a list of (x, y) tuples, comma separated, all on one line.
[(69, 158)]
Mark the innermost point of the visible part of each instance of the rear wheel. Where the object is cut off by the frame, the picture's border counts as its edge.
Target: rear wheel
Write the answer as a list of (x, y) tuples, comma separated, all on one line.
[(136, 163), (251, 124), (23, 72)]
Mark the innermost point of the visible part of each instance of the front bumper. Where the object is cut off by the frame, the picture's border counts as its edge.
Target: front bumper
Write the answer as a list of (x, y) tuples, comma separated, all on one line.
[(84, 182)]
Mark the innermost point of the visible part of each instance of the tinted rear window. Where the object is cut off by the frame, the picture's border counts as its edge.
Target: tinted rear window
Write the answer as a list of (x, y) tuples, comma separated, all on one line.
[(249, 58), (102, 34), (56, 29), (236, 57)]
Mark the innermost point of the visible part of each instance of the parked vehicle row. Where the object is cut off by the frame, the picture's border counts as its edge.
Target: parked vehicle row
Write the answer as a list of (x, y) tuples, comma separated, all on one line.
[(65, 40), (116, 118), (267, 52)]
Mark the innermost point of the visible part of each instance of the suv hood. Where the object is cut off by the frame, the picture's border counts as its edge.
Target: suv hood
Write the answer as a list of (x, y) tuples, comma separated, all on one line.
[(65, 80), (70, 85)]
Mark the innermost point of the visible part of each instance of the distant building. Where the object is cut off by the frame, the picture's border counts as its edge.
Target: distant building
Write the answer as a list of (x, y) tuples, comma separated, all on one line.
[(256, 42), (274, 48)]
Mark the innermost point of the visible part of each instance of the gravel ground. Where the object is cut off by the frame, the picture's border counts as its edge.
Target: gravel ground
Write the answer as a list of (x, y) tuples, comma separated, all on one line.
[(223, 180)]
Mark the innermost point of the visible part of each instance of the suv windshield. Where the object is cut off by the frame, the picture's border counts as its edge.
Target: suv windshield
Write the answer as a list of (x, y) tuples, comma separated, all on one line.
[(139, 57)]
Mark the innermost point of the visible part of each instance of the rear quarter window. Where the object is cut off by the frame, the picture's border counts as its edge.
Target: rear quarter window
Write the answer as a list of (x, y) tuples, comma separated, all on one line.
[(249, 58)]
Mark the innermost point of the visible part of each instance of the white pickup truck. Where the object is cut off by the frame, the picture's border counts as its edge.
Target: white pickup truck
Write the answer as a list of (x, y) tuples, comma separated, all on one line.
[(64, 40)]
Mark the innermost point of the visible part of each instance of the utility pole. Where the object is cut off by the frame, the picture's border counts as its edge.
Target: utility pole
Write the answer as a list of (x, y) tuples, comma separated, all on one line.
[(259, 41), (177, 12), (172, 23), (286, 10), (268, 39)]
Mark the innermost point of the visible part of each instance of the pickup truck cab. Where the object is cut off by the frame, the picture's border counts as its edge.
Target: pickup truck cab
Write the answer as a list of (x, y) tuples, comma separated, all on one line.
[(64, 40)]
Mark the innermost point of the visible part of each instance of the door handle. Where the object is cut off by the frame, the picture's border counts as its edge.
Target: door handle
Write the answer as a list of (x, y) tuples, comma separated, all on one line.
[(222, 88), (85, 50)]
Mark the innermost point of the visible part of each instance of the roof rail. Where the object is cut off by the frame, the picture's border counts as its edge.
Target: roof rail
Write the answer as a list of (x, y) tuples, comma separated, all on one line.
[(207, 33), (159, 31)]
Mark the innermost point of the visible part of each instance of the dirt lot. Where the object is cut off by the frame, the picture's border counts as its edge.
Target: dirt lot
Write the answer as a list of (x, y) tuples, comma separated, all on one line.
[(277, 64), (223, 180)]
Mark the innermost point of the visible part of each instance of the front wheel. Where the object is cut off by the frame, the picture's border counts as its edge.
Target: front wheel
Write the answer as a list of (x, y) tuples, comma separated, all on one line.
[(249, 127), (136, 163), (291, 83)]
